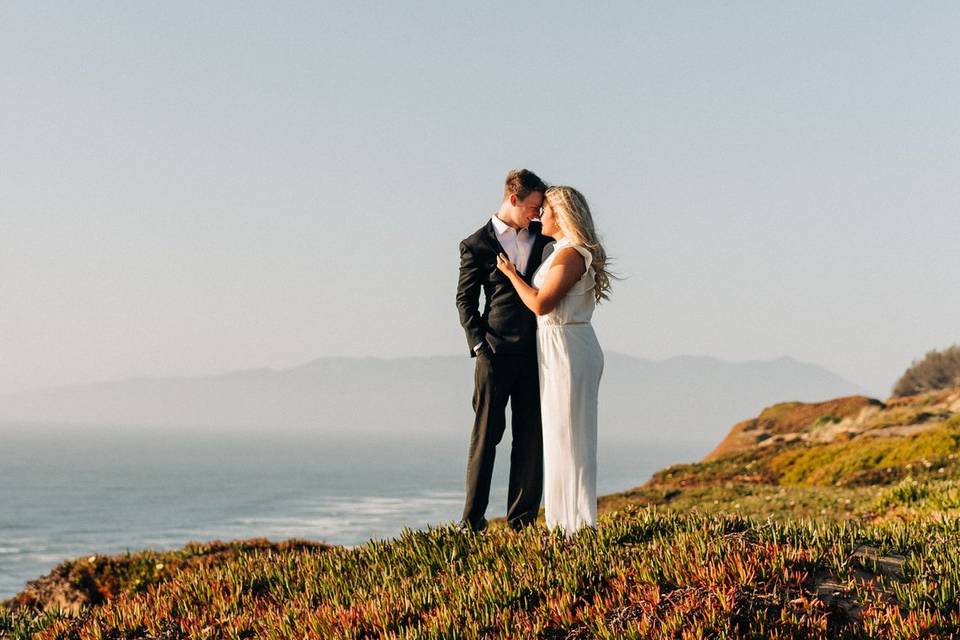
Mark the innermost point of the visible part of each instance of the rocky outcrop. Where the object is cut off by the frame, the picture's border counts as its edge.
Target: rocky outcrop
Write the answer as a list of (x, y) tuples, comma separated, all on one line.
[(838, 420)]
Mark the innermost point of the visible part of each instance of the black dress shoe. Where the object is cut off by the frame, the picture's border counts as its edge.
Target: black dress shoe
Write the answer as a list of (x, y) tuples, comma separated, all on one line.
[(519, 524), (463, 525)]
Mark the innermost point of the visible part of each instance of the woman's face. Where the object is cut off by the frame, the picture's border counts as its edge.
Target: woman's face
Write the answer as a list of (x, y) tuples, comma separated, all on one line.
[(549, 221)]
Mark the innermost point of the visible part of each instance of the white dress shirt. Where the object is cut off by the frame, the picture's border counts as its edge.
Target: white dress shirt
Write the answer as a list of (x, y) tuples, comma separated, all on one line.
[(516, 243)]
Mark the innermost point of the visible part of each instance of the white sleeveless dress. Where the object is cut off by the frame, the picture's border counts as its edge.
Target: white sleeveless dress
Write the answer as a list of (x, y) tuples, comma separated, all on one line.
[(571, 363)]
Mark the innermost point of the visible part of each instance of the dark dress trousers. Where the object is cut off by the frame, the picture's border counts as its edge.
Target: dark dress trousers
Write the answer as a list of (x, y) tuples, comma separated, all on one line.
[(506, 369)]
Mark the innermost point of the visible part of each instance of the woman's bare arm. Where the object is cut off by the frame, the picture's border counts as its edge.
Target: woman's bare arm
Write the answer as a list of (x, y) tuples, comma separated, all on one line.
[(568, 266)]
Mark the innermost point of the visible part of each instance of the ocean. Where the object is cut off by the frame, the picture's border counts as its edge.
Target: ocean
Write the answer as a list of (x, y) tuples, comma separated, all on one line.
[(70, 491)]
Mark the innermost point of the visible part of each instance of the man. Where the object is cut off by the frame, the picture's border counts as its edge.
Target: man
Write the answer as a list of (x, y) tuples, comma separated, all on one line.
[(503, 340)]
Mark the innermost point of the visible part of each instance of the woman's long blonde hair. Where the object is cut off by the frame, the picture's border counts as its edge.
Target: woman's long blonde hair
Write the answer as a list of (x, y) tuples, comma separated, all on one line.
[(576, 222)]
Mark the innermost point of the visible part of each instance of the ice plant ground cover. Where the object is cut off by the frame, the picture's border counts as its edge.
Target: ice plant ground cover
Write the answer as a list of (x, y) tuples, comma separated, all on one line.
[(830, 520), (643, 573)]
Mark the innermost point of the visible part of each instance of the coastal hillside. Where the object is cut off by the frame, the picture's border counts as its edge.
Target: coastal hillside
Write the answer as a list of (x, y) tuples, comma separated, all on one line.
[(851, 457), (836, 519)]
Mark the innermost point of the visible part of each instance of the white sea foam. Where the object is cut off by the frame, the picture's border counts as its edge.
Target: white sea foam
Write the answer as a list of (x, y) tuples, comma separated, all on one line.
[(46, 557)]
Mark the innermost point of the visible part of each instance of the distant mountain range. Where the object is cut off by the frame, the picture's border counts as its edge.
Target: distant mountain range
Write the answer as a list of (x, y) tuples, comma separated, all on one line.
[(687, 398)]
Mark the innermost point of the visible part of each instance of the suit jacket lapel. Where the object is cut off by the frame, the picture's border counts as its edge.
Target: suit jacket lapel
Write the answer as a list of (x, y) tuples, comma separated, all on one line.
[(492, 237)]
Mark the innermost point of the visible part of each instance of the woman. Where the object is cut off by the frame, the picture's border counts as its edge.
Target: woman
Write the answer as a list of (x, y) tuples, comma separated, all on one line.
[(566, 288)]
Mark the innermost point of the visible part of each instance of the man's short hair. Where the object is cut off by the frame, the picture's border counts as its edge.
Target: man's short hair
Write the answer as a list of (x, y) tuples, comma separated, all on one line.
[(522, 182)]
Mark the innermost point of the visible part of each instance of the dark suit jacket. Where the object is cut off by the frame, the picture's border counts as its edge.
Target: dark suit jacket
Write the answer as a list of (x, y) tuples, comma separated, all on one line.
[(505, 325)]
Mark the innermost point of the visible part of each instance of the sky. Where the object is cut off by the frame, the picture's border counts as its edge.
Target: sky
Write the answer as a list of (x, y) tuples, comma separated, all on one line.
[(190, 188)]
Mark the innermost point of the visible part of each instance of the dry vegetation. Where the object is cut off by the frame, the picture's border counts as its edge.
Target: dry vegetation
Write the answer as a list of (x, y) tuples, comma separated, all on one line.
[(937, 370)]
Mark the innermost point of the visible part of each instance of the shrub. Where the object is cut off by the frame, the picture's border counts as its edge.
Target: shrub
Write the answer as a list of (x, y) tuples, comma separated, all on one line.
[(937, 370)]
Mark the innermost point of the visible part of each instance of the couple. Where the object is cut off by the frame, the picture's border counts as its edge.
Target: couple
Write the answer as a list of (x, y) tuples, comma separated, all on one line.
[(535, 347)]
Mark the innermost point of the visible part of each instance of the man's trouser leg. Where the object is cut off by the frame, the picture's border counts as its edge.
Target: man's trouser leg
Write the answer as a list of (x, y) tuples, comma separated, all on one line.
[(491, 391), (526, 450)]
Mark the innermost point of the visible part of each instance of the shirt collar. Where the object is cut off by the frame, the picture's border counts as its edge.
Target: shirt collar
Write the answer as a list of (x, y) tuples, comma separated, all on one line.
[(502, 227)]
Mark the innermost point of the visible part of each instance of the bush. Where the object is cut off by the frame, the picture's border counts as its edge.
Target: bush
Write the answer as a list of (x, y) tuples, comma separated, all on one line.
[(937, 370)]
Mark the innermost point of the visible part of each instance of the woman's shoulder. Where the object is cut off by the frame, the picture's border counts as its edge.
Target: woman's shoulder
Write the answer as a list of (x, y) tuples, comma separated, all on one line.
[(574, 254)]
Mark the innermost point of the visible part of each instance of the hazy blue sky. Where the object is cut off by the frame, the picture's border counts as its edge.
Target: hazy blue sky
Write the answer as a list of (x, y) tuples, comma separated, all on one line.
[(193, 187)]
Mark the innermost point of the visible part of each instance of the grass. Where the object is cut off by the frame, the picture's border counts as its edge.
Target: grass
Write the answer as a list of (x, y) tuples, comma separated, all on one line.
[(643, 573)]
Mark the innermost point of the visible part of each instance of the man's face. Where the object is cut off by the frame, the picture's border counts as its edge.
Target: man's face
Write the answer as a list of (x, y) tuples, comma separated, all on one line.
[(529, 208)]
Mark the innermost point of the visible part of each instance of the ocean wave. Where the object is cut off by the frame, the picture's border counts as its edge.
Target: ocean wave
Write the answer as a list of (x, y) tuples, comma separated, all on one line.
[(48, 557)]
